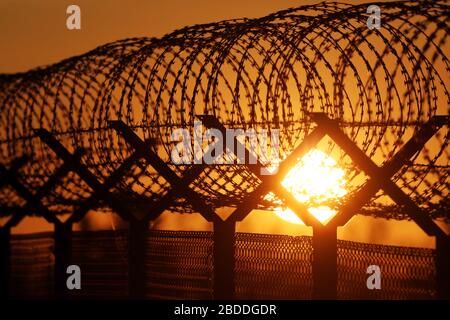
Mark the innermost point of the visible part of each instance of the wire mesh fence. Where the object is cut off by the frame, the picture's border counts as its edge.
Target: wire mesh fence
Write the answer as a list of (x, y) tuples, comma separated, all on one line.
[(179, 266), (32, 266), (407, 273), (103, 263)]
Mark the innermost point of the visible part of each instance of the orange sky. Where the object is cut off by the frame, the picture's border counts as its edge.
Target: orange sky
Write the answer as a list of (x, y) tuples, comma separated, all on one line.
[(33, 32)]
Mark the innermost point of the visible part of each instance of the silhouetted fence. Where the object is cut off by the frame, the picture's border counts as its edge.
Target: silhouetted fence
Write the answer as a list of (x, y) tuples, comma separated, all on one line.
[(225, 251), (179, 266), (95, 131)]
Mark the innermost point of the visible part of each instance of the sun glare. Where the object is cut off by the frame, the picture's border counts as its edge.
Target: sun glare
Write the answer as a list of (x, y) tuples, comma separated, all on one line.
[(314, 180)]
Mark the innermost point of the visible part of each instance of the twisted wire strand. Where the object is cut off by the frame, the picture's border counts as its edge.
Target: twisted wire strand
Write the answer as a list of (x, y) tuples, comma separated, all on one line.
[(265, 73)]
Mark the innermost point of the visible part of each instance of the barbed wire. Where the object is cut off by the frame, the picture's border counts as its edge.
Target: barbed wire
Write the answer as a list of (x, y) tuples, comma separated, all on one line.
[(266, 73)]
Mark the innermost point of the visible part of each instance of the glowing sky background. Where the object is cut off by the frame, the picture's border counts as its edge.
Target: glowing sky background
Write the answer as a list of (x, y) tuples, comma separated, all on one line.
[(33, 32)]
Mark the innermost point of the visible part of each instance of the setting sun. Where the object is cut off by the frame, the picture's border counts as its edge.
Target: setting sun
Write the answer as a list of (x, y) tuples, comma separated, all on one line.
[(314, 180)]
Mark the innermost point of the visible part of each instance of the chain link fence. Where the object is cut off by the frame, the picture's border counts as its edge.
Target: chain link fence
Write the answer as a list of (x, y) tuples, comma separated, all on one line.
[(180, 266)]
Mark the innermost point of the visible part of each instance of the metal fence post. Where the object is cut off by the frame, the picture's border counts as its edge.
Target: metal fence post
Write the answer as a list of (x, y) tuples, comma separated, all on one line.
[(63, 250), (443, 267), (137, 250), (5, 261), (224, 245), (324, 262)]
